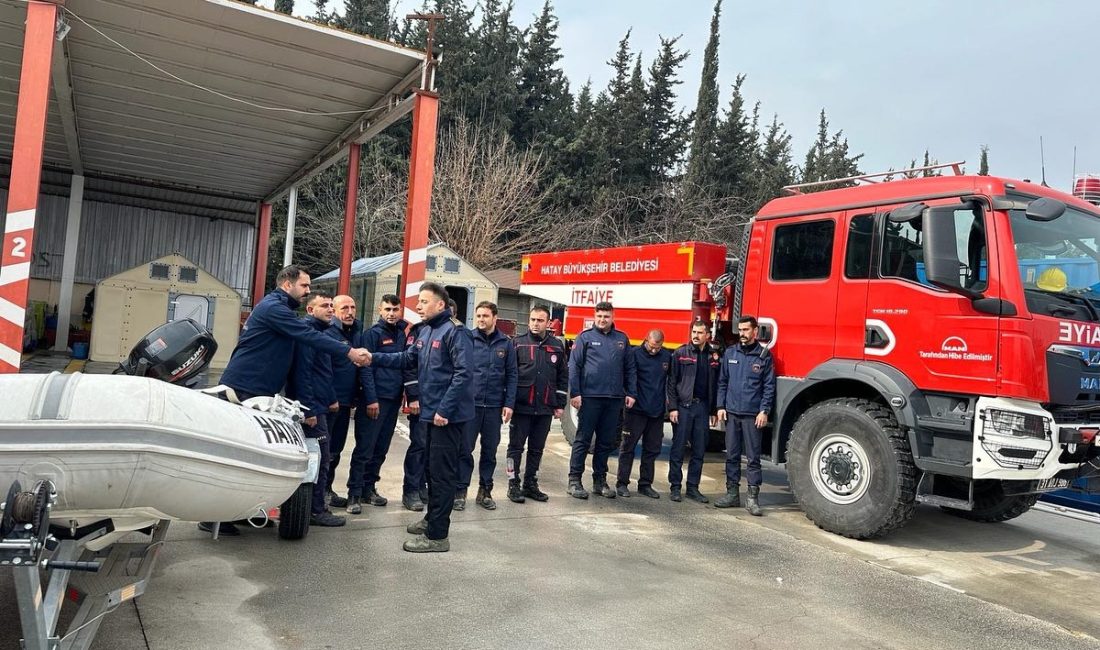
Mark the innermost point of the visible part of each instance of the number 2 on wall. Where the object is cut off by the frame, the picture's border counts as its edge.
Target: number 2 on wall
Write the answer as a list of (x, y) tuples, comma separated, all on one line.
[(19, 249)]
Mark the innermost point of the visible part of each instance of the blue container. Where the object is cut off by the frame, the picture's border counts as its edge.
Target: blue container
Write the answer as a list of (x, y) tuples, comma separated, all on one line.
[(80, 350)]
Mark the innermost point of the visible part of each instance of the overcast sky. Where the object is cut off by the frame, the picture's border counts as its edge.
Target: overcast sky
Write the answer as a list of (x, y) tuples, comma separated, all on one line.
[(897, 76)]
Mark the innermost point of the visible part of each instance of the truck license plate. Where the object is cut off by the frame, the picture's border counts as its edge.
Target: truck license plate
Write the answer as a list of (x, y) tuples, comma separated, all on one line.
[(1048, 484)]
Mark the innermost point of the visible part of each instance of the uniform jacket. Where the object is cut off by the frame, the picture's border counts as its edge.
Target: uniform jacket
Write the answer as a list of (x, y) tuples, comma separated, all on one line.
[(686, 362), (600, 365), (441, 354), (311, 375), (652, 372), (543, 374), (746, 383), (261, 361), (345, 376), (494, 369), (383, 383)]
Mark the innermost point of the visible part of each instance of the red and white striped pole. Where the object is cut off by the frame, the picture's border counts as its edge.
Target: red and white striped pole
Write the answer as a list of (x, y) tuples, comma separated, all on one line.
[(26, 173), (418, 209)]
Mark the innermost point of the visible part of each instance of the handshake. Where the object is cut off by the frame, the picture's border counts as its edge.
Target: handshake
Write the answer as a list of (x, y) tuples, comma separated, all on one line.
[(359, 356)]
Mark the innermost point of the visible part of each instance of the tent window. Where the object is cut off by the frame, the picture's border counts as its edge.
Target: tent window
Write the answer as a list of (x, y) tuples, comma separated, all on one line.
[(189, 274), (158, 271)]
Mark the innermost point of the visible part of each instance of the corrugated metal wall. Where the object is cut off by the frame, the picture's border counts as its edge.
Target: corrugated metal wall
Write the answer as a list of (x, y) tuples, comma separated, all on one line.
[(114, 238)]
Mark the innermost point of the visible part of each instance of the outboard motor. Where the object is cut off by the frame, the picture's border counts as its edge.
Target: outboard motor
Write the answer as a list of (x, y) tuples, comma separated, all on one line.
[(175, 352)]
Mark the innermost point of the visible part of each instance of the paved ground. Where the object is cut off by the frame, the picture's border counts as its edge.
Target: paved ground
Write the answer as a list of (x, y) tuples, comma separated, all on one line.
[(623, 572)]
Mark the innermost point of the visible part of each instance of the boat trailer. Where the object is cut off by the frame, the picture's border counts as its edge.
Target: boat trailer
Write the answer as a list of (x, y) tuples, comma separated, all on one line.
[(70, 565)]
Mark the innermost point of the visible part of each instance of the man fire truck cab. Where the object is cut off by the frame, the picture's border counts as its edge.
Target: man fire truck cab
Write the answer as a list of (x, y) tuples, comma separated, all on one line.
[(936, 340)]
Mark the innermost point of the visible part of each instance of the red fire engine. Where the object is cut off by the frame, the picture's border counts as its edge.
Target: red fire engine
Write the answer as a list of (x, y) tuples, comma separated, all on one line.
[(936, 339)]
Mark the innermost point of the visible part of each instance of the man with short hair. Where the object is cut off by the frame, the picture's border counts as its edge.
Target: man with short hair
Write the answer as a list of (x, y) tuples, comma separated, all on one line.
[(442, 357), (645, 421), (691, 401), (494, 370), (345, 378), (311, 384), (542, 374), (601, 379), (260, 364), (380, 404), (746, 394)]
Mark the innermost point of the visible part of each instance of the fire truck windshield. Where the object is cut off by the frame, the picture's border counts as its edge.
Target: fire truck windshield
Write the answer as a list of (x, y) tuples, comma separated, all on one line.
[(1059, 262)]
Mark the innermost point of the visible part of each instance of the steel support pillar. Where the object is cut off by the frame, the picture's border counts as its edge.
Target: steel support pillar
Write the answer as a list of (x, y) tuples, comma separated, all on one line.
[(291, 220), (418, 209), (263, 242), (68, 262), (351, 202), (26, 173)]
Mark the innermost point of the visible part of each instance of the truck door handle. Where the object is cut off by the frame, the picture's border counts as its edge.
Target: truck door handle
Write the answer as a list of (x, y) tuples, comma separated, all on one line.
[(874, 337)]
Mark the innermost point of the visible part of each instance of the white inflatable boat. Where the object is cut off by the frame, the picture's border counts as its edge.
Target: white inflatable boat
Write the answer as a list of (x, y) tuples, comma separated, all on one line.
[(137, 450)]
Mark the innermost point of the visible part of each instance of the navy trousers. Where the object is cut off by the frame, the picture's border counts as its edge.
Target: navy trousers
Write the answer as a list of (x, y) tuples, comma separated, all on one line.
[(693, 425), (416, 457), (338, 424), (486, 423), (320, 432), (532, 431), (598, 416), (445, 443), (372, 443), (742, 436), (651, 432)]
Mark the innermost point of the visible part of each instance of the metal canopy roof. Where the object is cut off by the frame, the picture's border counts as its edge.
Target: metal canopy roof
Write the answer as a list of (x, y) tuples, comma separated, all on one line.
[(131, 121)]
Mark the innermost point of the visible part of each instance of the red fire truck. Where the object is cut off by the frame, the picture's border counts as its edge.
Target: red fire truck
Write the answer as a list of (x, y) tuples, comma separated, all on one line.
[(937, 340)]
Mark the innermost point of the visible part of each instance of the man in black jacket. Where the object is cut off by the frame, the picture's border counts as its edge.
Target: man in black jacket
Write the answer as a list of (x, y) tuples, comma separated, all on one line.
[(542, 385), (345, 380), (691, 402), (645, 421)]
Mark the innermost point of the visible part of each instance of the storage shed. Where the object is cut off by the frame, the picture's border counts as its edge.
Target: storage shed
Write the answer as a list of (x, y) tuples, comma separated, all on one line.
[(372, 277), (132, 303)]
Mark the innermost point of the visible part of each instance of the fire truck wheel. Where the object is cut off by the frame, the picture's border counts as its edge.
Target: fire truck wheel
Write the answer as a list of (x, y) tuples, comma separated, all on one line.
[(569, 428), (851, 469), (992, 505), (294, 513)]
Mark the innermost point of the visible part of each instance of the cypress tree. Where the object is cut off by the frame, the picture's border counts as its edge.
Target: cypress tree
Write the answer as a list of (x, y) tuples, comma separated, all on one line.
[(544, 108), (983, 165), (668, 128), (701, 163), (368, 17), (284, 6), (736, 147)]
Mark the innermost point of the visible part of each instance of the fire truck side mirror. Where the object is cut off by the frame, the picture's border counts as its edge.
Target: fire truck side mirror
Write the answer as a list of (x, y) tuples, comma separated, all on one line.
[(941, 256), (1045, 209), (906, 213)]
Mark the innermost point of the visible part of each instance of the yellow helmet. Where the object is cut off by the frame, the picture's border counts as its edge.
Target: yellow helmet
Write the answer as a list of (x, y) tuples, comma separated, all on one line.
[(1052, 279)]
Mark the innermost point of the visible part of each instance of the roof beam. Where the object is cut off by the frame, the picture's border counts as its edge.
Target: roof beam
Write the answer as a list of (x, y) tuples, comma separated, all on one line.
[(66, 105), (373, 122)]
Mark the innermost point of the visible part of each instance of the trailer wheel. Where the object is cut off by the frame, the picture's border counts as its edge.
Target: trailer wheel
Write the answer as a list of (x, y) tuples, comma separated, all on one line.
[(992, 505), (851, 468), (294, 513)]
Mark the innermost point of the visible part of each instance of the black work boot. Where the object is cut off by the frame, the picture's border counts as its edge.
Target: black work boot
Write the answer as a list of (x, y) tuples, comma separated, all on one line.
[(515, 494), (576, 489), (485, 498), (602, 489), (418, 528), (327, 519), (648, 491), (531, 491), (694, 494), (460, 500), (622, 491), (674, 493), (355, 506), (731, 499), (375, 499), (412, 502), (335, 500), (753, 503)]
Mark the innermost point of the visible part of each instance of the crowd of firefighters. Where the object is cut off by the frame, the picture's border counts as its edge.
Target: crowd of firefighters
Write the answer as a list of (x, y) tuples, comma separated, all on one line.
[(459, 386)]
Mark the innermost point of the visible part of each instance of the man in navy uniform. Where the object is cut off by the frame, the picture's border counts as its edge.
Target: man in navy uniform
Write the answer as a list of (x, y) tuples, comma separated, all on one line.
[(345, 376), (645, 421), (542, 385), (376, 418), (260, 364), (692, 383), (494, 366), (311, 384), (746, 394), (441, 354), (601, 379)]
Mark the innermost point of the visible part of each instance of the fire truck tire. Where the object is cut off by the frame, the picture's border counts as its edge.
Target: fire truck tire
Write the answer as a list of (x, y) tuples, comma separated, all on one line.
[(992, 505), (851, 468), (294, 513), (569, 428)]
